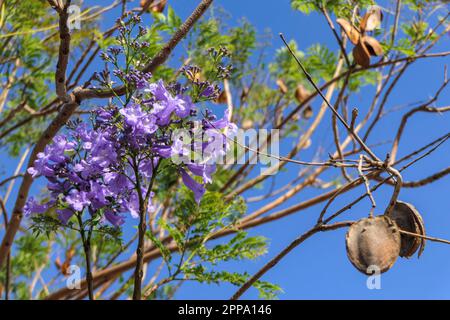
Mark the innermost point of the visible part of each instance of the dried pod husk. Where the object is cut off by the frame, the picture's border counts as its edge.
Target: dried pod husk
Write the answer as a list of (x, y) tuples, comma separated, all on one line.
[(247, 124), (301, 93), (409, 219), (282, 86), (373, 243), (361, 55), (307, 112), (351, 32), (222, 98), (373, 46), (154, 6), (372, 19)]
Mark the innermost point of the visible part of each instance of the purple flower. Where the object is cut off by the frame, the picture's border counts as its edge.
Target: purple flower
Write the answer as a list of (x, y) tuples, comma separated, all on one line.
[(202, 170), (103, 152), (132, 114), (132, 205), (140, 122), (64, 215), (41, 166), (117, 183), (57, 149), (158, 90), (97, 195), (163, 151), (114, 218), (184, 107), (146, 167), (208, 92), (77, 200), (32, 206), (197, 188)]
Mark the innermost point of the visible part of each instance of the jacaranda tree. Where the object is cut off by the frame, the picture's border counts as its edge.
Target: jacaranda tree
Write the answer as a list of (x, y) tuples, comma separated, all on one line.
[(117, 142)]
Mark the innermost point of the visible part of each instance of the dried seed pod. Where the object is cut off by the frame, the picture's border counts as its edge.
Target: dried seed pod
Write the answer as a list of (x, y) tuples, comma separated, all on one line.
[(408, 218), (222, 98), (154, 7), (373, 46), (351, 32), (372, 19), (145, 2), (373, 242), (307, 113), (282, 86), (301, 93), (361, 55)]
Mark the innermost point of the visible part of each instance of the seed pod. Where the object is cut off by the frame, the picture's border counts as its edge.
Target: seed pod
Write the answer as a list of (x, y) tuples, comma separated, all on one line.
[(282, 86), (373, 242), (154, 7), (222, 98), (307, 113), (408, 218), (373, 46), (372, 19), (301, 93), (351, 32), (361, 55)]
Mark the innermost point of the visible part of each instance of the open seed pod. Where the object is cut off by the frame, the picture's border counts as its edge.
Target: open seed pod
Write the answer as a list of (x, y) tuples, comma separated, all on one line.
[(361, 55), (408, 218), (373, 242), (351, 32), (373, 46), (372, 19)]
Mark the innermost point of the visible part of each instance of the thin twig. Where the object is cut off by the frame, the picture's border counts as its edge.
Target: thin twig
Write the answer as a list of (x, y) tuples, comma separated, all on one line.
[(346, 125)]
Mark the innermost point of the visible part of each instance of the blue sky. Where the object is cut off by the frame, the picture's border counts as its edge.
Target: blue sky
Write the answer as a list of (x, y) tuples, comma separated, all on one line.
[(319, 268)]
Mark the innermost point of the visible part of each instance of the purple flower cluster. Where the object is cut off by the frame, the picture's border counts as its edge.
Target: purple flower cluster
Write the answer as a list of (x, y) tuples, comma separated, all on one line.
[(98, 167)]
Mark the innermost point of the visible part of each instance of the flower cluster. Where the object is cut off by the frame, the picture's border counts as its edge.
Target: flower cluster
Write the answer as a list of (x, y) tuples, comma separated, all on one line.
[(106, 167)]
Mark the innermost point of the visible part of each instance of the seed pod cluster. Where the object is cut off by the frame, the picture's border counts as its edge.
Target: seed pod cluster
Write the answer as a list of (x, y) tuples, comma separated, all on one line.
[(378, 241), (365, 46)]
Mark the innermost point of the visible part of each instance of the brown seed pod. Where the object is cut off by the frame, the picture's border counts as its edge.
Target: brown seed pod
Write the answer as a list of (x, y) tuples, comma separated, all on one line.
[(373, 46), (307, 112), (154, 6), (361, 55), (351, 32), (408, 218), (282, 86), (222, 98), (373, 242), (372, 19), (301, 93)]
